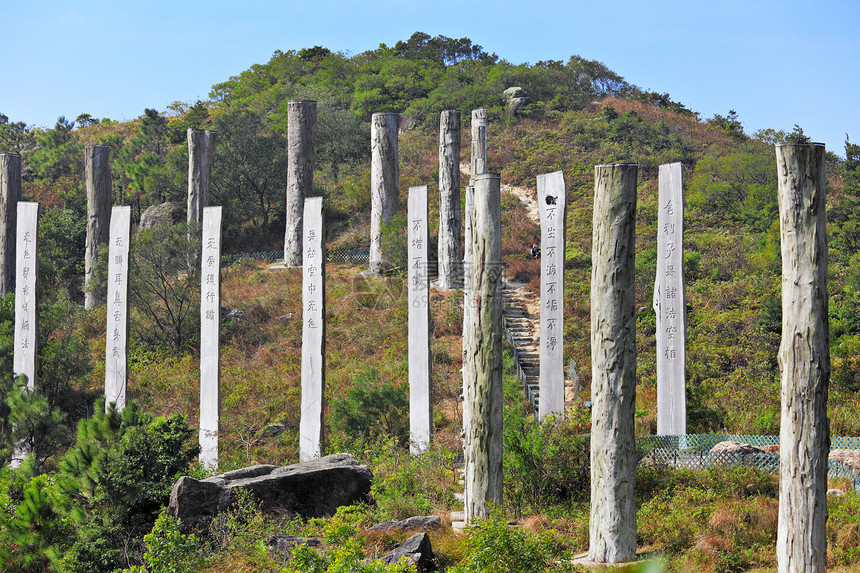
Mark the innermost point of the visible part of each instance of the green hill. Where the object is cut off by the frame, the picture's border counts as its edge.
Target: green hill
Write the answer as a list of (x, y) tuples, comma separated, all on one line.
[(581, 115)]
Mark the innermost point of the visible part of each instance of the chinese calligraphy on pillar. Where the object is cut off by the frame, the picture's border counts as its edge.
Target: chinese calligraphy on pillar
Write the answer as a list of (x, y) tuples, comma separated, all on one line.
[(116, 349), (552, 206), (210, 341), (26, 291), (420, 414), (670, 305), (311, 436)]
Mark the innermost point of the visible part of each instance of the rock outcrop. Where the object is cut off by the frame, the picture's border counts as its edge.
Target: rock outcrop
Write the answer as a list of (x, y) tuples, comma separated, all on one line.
[(518, 99), (731, 447), (166, 213), (309, 489), (417, 550), (417, 523)]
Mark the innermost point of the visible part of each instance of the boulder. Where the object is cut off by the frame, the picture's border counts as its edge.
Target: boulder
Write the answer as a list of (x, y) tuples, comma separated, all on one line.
[(848, 458), (166, 213), (418, 552), (308, 489), (515, 92), (518, 99), (232, 314), (731, 447), (425, 522)]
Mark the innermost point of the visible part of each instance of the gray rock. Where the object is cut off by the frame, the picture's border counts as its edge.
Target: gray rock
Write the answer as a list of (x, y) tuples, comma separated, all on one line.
[(418, 552), (517, 105), (309, 489), (411, 524), (228, 314), (518, 99), (284, 544), (515, 92), (166, 213), (273, 430), (732, 447)]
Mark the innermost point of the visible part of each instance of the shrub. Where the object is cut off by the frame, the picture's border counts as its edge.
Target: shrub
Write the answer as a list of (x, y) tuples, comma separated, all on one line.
[(546, 463), (168, 550), (407, 485), (372, 408), (493, 546)]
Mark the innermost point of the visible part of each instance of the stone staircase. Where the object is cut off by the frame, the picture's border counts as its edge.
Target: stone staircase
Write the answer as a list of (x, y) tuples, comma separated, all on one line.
[(522, 333)]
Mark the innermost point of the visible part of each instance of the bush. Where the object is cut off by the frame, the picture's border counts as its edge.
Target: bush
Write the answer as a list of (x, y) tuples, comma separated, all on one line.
[(493, 546), (371, 409), (168, 550), (407, 485)]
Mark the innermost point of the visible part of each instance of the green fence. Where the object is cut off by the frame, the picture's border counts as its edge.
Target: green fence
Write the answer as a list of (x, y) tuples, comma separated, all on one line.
[(353, 256), (694, 451)]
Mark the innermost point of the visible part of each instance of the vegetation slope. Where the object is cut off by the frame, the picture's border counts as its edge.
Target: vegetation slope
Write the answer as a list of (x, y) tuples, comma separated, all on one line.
[(70, 508)]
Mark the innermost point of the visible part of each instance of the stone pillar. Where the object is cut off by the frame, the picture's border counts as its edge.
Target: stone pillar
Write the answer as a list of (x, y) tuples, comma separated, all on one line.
[(301, 127), (670, 304), (10, 194), (482, 364), (468, 227), (210, 337), (420, 392), (311, 434), (612, 527), (97, 159), (26, 341), (384, 181), (116, 347), (804, 360), (479, 142), (201, 146), (552, 205), (467, 279), (450, 252)]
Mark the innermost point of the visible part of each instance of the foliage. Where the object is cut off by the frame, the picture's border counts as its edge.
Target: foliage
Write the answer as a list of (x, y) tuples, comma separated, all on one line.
[(343, 552), (730, 125), (371, 408), (57, 153), (249, 170), (164, 286), (739, 185), (15, 136), (545, 463), (115, 480), (31, 536), (168, 550), (494, 546), (406, 485)]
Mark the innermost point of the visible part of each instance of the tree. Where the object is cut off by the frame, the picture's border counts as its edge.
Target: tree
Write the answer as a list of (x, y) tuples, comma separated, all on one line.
[(164, 286), (114, 482), (15, 137), (57, 153), (730, 125), (249, 171), (739, 185)]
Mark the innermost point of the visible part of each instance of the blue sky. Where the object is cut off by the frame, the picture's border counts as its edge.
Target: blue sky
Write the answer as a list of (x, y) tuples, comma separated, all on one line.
[(776, 63)]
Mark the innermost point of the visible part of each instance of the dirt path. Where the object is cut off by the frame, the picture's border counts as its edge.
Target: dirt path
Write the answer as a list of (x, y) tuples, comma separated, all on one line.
[(526, 196)]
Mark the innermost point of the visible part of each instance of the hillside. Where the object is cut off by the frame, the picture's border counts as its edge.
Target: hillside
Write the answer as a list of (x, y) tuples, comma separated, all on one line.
[(582, 114)]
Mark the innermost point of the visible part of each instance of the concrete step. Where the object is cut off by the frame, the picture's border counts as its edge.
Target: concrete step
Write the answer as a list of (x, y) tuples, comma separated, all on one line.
[(458, 516)]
